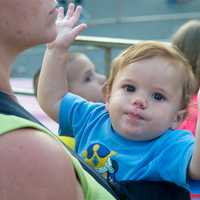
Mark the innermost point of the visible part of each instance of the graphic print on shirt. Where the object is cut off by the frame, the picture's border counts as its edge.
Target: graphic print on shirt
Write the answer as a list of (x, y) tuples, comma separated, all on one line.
[(99, 157)]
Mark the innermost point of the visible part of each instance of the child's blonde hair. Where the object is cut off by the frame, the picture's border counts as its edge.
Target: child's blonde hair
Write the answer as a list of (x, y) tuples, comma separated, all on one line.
[(150, 49), (187, 38)]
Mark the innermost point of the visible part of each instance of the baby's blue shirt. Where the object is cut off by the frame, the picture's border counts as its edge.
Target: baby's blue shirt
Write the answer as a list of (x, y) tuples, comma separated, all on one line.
[(164, 158)]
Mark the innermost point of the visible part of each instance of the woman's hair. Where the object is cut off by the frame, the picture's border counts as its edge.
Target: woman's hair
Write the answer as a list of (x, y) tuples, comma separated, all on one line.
[(148, 49), (187, 39)]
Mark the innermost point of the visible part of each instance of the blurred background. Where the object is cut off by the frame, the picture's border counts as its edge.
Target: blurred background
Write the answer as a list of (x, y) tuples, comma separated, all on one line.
[(130, 19)]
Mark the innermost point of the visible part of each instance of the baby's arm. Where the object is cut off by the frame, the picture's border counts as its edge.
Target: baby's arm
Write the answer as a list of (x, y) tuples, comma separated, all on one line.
[(194, 168), (52, 84)]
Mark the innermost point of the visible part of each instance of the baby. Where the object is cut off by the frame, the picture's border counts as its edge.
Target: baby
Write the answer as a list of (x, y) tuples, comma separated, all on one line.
[(133, 135)]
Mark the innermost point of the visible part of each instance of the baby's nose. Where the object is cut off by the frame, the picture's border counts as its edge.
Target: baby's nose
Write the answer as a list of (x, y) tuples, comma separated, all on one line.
[(101, 79), (140, 103)]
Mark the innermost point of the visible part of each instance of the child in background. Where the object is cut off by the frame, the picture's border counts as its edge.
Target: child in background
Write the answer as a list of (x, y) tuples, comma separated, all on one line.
[(133, 135), (83, 80), (81, 77), (187, 39)]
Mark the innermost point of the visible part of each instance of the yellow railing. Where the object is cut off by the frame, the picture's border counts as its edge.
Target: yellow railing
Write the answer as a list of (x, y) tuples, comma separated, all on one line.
[(105, 43)]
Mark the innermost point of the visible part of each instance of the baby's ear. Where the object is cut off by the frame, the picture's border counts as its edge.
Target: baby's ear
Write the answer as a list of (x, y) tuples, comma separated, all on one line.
[(178, 118)]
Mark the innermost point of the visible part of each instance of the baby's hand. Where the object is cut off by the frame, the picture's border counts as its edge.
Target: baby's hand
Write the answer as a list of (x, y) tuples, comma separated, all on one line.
[(67, 29)]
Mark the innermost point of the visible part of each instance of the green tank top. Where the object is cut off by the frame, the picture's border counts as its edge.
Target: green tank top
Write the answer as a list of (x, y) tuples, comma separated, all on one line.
[(91, 188)]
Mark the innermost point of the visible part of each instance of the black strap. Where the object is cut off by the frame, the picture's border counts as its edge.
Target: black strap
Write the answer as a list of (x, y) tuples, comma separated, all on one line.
[(149, 190), (10, 107)]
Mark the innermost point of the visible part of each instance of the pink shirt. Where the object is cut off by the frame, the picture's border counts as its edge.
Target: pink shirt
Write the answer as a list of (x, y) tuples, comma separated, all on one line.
[(191, 119)]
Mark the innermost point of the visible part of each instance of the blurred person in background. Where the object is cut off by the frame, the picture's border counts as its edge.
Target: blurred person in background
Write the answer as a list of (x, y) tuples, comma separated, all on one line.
[(187, 39)]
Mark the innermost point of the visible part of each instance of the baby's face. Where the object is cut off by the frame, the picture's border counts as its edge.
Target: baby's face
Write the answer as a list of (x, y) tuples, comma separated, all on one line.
[(84, 80), (145, 99)]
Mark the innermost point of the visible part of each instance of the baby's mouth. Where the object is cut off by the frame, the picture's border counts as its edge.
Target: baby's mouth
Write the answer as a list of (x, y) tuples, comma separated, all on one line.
[(135, 115)]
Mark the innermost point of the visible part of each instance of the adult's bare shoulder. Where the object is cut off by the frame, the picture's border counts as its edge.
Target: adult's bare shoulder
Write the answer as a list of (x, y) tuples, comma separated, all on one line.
[(35, 166)]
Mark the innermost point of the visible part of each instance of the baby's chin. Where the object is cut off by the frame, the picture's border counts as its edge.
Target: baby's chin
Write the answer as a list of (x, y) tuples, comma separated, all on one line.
[(138, 136)]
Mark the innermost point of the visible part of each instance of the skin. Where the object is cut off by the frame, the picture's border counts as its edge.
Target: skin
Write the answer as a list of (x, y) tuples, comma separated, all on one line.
[(34, 165), (30, 12), (83, 80), (142, 101)]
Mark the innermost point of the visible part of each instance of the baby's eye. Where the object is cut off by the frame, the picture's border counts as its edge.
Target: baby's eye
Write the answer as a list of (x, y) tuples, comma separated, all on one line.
[(87, 79), (129, 88), (158, 96), (89, 76)]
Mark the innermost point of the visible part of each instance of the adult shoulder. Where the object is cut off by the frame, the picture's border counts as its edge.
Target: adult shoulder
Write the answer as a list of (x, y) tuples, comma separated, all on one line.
[(35, 166)]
